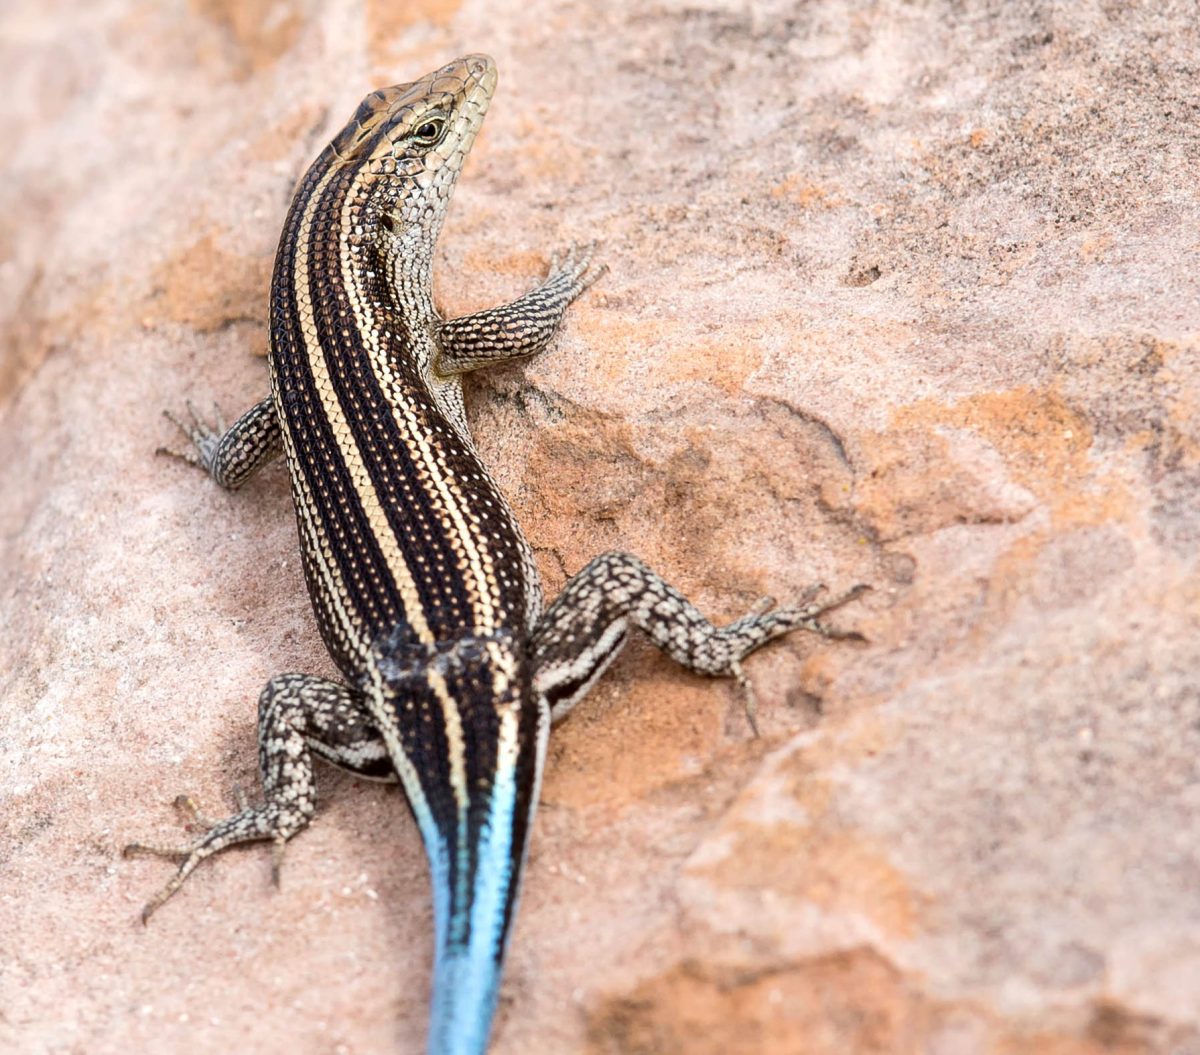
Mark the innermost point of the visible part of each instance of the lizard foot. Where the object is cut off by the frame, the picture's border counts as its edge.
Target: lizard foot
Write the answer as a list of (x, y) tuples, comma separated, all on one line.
[(573, 268), (204, 438), (803, 615), (250, 824)]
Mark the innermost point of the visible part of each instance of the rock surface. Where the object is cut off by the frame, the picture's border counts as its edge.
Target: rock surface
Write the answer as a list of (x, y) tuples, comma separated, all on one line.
[(903, 293)]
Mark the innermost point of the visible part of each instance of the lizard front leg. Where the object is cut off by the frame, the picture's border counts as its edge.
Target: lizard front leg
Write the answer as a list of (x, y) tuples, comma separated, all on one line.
[(520, 328), (230, 456), (584, 629), (298, 716)]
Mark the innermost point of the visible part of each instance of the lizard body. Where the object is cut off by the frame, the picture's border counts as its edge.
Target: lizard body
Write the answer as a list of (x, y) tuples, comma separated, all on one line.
[(424, 588)]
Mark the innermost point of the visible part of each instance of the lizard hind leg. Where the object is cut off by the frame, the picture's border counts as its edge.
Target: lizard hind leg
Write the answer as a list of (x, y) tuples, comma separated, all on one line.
[(584, 629), (298, 716)]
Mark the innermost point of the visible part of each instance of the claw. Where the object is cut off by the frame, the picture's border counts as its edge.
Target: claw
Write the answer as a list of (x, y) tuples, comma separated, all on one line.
[(183, 456), (749, 698), (187, 804), (572, 263), (762, 607), (581, 258), (149, 908), (765, 622), (807, 608), (155, 902), (833, 632), (810, 595), (188, 456), (808, 611), (204, 439), (175, 853), (174, 420), (244, 826), (280, 845), (849, 595), (590, 279)]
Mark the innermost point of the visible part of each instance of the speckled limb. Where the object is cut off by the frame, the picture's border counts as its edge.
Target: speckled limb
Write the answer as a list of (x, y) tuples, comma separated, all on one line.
[(585, 628), (298, 716), (230, 456), (522, 327), (423, 585)]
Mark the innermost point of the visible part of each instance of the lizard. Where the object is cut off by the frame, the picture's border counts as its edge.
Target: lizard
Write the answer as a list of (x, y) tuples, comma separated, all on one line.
[(425, 590)]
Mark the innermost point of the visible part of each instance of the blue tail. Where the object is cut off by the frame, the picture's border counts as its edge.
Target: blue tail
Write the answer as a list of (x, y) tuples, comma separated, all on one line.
[(474, 904), (467, 736)]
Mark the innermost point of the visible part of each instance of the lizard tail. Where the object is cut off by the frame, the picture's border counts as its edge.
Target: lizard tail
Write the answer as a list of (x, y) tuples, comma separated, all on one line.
[(476, 878), (467, 735)]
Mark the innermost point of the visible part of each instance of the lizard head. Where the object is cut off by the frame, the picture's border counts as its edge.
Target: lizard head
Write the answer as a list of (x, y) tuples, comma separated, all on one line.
[(406, 145)]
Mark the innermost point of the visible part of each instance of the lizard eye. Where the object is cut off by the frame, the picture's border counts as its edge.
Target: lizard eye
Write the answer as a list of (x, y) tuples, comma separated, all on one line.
[(429, 131)]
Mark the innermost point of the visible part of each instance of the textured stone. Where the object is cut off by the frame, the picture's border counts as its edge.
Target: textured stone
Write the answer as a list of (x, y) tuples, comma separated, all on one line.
[(900, 293)]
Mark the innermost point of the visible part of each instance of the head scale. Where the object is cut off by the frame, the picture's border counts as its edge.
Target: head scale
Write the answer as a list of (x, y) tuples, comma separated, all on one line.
[(406, 145)]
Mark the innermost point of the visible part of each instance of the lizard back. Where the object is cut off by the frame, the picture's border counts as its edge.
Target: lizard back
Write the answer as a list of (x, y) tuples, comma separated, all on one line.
[(423, 585), (404, 534)]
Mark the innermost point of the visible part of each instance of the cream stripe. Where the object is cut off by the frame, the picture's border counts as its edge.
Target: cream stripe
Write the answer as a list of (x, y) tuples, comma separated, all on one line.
[(385, 721), (363, 486), (332, 590), (452, 726), (479, 561), (454, 737), (331, 575)]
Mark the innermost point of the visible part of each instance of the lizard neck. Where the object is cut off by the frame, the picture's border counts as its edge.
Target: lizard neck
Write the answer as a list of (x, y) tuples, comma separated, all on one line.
[(407, 257)]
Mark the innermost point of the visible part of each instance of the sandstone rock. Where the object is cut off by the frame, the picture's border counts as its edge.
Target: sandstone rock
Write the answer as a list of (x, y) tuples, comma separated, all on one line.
[(903, 294)]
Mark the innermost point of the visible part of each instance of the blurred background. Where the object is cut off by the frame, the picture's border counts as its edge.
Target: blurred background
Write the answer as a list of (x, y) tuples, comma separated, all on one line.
[(900, 292)]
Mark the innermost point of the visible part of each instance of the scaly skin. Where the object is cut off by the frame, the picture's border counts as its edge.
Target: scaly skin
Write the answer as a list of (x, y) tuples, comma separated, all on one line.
[(425, 591)]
